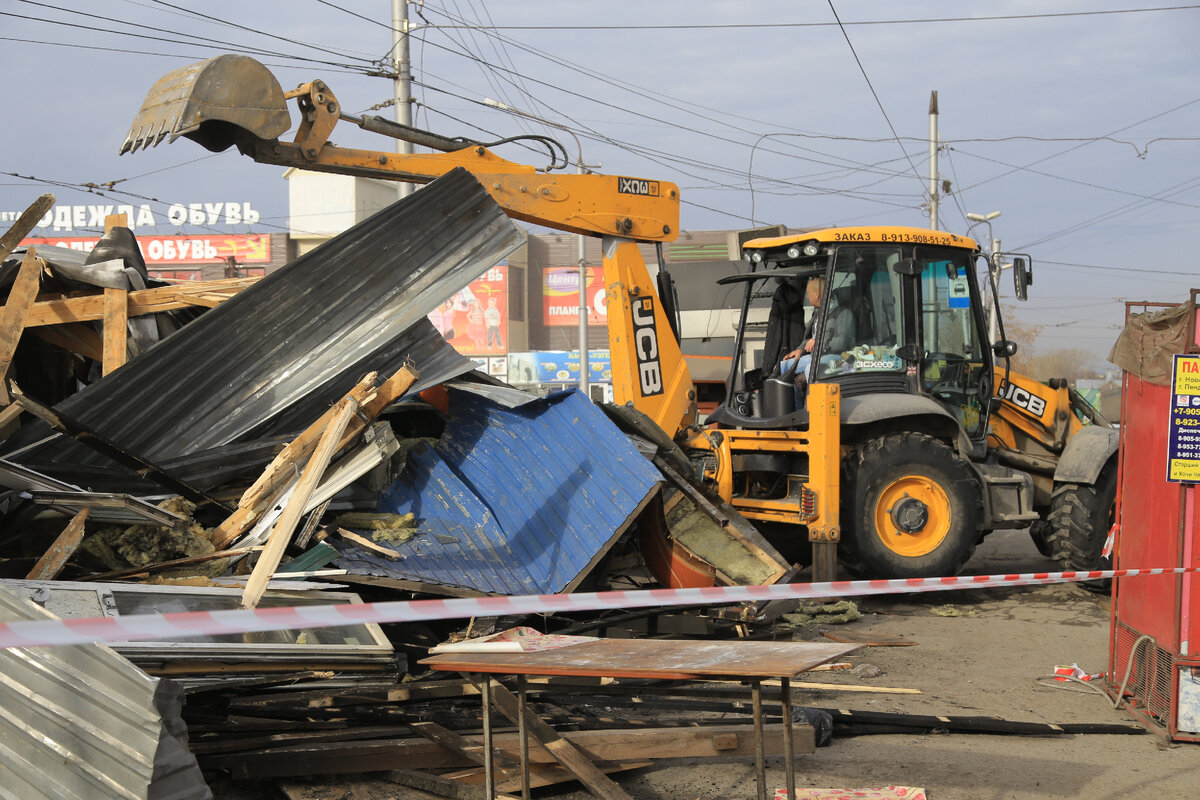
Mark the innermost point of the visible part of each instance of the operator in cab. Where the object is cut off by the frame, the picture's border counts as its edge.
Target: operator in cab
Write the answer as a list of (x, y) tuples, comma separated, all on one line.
[(839, 336)]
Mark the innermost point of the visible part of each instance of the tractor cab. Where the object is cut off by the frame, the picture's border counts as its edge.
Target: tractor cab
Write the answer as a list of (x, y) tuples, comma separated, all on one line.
[(898, 311)]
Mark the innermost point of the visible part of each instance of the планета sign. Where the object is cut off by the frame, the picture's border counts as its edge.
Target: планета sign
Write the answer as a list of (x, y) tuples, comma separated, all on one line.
[(1183, 433)]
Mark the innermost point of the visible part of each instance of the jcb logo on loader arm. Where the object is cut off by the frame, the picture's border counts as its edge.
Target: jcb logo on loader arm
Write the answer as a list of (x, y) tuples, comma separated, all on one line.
[(1021, 399), (645, 345)]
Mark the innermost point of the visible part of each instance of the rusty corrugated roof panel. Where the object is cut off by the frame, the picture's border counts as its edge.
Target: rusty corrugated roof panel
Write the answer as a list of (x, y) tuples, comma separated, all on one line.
[(306, 333), (514, 499), (80, 722)]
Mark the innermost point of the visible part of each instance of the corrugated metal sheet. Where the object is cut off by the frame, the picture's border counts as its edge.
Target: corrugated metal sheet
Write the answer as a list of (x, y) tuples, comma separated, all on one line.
[(514, 499), (81, 722), (69, 460), (313, 327)]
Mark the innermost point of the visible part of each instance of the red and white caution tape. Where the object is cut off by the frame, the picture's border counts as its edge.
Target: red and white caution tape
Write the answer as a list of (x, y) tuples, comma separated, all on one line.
[(137, 627)]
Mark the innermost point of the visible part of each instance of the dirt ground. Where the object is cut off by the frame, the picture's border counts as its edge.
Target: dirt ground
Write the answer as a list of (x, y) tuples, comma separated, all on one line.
[(983, 662)]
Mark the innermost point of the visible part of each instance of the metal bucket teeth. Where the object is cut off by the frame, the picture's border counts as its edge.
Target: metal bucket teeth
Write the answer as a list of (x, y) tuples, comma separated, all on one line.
[(234, 89)]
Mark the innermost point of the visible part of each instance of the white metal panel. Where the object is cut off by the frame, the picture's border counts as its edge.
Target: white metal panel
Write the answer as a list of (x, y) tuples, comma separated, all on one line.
[(82, 722)]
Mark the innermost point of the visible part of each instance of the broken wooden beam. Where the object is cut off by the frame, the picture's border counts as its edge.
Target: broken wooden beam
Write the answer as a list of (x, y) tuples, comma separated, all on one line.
[(116, 329), (91, 308), (24, 224), (57, 555), (606, 746), (16, 309), (567, 754), (275, 479), (285, 526)]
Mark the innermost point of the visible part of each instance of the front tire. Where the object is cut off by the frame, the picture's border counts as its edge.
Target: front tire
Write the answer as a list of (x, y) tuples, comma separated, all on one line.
[(911, 508), (1081, 516)]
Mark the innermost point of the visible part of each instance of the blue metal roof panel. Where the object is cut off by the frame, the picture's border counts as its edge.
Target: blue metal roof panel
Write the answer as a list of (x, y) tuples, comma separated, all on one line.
[(539, 491)]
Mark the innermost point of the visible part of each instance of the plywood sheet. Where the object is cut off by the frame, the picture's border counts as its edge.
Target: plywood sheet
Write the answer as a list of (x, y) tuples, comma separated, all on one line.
[(646, 658)]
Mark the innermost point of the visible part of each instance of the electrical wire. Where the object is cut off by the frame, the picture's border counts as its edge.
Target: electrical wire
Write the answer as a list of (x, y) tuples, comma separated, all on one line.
[(878, 102), (173, 39), (773, 25), (688, 107)]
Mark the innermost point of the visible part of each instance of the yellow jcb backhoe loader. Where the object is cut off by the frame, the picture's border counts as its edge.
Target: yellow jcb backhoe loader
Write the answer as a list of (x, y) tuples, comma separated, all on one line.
[(901, 433)]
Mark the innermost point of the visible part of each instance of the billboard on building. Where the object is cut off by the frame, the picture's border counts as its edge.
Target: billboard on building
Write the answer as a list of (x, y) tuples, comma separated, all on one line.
[(560, 296), (171, 250), (475, 320), (557, 366)]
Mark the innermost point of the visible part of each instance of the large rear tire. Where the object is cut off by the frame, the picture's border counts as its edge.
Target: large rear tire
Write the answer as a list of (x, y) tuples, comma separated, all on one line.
[(911, 508), (1080, 518)]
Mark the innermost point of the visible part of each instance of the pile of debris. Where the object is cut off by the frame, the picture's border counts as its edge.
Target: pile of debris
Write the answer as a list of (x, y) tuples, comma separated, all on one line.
[(306, 438)]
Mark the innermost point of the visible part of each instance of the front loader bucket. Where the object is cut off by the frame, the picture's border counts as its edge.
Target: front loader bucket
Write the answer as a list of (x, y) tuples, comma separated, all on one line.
[(209, 102)]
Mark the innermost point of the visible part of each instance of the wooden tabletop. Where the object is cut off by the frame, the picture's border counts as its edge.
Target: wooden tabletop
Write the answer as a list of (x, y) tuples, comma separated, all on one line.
[(653, 658)]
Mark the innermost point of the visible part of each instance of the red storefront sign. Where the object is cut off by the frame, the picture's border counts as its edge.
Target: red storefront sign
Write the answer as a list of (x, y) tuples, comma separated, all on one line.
[(560, 296), (163, 250), (475, 319)]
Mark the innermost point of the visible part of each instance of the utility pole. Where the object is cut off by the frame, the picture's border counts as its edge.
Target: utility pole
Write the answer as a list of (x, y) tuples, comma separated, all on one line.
[(584, 306), (933, 160), (581, 169), (402, 66)]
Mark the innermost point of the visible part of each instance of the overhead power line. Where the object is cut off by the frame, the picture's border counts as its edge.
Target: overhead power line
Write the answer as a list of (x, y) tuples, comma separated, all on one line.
[(911, 21)]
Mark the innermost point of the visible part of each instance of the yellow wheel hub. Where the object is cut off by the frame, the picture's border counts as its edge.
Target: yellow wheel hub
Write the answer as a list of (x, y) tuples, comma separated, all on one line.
[(912, 515)]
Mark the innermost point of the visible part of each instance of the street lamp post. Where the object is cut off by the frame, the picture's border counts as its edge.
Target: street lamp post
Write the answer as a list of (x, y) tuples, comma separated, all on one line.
[(583, 299), (993, 269)]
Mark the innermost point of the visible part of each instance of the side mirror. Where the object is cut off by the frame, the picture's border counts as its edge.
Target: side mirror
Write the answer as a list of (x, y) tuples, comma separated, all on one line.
[(1005, 348), (907, 266), (1022, 277)]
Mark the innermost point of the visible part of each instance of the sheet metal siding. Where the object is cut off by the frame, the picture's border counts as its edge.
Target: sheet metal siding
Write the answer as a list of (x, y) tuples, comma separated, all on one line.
[(64, 458), (460, 543), (265, 348), (82, 722), (514, 499)]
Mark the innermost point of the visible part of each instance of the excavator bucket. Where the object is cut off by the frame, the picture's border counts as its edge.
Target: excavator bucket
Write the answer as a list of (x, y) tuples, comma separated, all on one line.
[(211, 102)]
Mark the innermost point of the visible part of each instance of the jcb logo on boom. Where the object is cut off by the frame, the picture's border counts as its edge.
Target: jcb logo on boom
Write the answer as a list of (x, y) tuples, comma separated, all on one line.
[(645, 345), (637, 186), (1021, 398)]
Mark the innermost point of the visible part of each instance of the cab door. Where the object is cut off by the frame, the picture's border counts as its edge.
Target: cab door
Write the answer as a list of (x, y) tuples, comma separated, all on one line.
[(956, 364)]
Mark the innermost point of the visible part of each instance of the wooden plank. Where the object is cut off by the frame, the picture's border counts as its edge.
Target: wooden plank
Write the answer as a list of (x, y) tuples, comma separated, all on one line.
[(272, 554), (563, 751), (653, 658), (90, 308), (871, 638), (56, 556), (241, 743), (361, 789), (341, 757), (367, 544), (115, 221), (116, 329), (16, 309), (849, 687), (442, 787), (24, 224), (543, 775), (471, 751), (279, 473), (74, 337), (9, 417), (175, 562)]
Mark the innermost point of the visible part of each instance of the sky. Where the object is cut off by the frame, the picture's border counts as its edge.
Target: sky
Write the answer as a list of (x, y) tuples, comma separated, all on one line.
[(1078, 121)]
